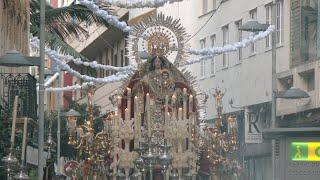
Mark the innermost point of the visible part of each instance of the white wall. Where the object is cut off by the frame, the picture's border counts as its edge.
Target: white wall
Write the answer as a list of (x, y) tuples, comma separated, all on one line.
[(249, 82)]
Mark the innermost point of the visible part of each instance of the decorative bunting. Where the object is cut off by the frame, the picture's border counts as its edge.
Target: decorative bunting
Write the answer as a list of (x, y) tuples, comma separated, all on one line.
[(130, 4), (213, 51), (113, 20)]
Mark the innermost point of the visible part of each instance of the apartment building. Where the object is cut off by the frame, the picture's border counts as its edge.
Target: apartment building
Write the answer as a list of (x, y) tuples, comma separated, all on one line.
[(245, 76)]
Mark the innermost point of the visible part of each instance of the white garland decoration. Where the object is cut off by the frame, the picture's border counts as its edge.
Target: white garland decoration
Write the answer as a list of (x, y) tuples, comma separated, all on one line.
[(93, 64), (51, 79), (54, 55), (138, 3), (70, 88), (232, 47), (113, 20), (194, 60)]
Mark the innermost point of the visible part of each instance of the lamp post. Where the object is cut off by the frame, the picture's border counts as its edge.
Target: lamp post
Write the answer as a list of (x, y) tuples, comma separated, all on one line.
[(72, 116), (254, 26), (41, 90)]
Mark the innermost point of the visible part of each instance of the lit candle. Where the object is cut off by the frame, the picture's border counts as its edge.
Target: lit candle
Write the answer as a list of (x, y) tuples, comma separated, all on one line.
[(126, 114), (14, 118), (190, 104), (119, 100), (169, 116), (24, 139), (180, 114), (148, 114)]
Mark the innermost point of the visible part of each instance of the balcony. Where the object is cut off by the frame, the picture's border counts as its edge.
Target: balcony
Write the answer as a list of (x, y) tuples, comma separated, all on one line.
[(22, 85)]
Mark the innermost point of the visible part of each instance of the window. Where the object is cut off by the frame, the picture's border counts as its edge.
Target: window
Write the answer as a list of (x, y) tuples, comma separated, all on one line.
[(213, 41), (268, 21), (304, 30), (204, 6), (214, 4), (279, 15), (202, 64), (253, 15), (225, 36), (308, 82), (239, 38)]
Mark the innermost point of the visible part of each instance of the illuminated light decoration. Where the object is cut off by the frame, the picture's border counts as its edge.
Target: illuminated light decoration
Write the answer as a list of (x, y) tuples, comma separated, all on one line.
[(305, 151)]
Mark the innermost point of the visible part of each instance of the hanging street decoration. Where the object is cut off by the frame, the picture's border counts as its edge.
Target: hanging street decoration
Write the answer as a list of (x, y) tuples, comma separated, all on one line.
[(54, 56), (130, 4), (213, 51), (71, 88), (113, 20)]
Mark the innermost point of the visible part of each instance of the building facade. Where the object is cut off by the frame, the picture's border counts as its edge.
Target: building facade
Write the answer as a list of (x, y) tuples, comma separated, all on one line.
[(106, 46), (245, 76)]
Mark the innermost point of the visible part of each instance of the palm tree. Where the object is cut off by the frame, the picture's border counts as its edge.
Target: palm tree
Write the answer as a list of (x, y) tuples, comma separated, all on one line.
[(61, 23)]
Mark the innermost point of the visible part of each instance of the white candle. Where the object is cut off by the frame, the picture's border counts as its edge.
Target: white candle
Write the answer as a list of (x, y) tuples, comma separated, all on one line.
[(166, 109), (184, 103), (117, 119), (126, 114), (168, 116), (119, 100), (14, 119), (24, 139), (173, 105), (129, 101), (190, 104), (136, 122), (148, 114), (180, 114)]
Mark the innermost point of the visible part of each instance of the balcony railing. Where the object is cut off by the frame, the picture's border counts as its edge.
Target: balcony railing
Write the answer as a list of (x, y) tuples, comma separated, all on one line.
[(22, 85)]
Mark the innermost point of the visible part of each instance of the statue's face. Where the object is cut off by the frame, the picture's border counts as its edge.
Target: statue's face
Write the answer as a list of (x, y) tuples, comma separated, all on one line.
[(157, 63)]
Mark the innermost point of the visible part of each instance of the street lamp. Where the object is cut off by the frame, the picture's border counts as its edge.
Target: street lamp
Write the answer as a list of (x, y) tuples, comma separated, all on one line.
[(253, 26), (14, 58), (72, 116), (293, 93)]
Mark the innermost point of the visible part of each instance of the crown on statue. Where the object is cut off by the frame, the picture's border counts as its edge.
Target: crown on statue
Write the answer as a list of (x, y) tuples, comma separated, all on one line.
[(158, 43)]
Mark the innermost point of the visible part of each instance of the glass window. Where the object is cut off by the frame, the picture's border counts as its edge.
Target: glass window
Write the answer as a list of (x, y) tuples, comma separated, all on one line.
[(239, 38), (279, 16), (202, 64), (225, 34), (253, 15), (204, 6), (304, 30), (268, 21), (213, 41)]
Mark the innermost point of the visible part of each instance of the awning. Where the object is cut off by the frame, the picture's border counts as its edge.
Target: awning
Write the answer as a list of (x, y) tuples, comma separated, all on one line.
[(275, 132)]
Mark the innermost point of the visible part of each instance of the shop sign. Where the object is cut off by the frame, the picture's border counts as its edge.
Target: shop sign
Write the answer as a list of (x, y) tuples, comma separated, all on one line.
[(253, 132), (305, 151)]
